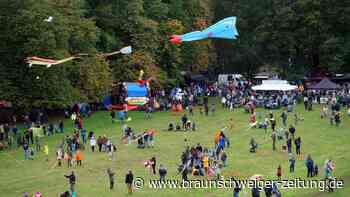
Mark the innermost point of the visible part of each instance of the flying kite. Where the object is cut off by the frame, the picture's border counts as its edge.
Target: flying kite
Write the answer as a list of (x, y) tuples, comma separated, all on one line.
[(47, 62), (225, 29), (49, 19), (125, 50)]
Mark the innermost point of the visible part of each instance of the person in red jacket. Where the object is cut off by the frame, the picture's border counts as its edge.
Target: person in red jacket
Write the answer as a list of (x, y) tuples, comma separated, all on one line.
[(279, 172)]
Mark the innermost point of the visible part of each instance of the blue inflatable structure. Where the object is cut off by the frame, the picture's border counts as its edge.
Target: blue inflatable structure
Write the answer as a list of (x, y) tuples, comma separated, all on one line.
[(137, 95)]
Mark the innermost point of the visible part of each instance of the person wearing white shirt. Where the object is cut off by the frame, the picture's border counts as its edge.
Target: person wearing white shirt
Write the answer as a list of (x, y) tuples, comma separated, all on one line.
[(92, 143)]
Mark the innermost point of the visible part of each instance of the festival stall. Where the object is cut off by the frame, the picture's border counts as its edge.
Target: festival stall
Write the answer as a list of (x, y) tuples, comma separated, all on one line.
[(274, 85), (324, 84)]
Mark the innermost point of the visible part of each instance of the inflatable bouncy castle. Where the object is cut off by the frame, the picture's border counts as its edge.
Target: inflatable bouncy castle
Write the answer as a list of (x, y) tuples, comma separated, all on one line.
[(130, 93), (136, 94)]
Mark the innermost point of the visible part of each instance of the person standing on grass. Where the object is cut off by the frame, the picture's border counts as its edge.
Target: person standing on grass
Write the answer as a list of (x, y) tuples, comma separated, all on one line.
[(69, 156), (222, 142), (26, 150), (223, 158), (37, 143), (83, 135), (279, 172), (72, 180), (212, 108), (289, 145), (148, 111), (162, 172), (78, 157), (268, 190), (92, 143), (255, 192), (275, 190), (316, 170), (286, 133), (112, 116), (59, 155), (337, 118), (205, 161), (129, 178), (190, 110), (153, 163), (151, 137), (110, 174), (296, 118), (223, 102), (184, 121), (291, 162), (329, 166), (284, 118), (206, 109), (111, 151), (292, 131), (274, 136), (310, 166), (253, 145), (61, 126), (237, 188), (99, 143), (306, 101), (273, 123), (297, 143)]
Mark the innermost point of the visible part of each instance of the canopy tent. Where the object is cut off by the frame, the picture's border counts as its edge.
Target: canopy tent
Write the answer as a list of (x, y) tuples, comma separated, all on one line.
[(274, 85), (324, 84)]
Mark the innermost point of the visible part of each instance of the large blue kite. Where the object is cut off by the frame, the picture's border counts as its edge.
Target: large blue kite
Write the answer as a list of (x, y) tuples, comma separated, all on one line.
[(225, 29)]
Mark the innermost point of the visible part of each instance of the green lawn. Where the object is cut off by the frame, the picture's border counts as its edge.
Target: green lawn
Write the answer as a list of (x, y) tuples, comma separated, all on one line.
[(319, 139)]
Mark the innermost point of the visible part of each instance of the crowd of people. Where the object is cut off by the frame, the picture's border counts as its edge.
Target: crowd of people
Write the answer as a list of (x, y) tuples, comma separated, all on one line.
[(195, 160)]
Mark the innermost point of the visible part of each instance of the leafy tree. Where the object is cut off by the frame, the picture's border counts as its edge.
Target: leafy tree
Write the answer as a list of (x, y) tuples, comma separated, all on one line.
[(95, 79), (294, 36)]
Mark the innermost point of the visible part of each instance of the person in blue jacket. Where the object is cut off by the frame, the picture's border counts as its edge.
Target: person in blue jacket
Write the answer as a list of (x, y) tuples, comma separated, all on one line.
[(309, 166)]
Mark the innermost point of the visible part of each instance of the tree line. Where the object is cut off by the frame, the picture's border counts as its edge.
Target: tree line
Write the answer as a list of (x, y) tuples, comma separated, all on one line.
[(293, 36)]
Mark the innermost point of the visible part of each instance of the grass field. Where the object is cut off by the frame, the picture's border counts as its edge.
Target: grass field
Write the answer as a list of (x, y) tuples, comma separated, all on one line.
[(319, 139)]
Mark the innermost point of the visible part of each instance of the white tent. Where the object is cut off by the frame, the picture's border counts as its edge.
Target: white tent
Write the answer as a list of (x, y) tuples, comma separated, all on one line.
[(274, 85)]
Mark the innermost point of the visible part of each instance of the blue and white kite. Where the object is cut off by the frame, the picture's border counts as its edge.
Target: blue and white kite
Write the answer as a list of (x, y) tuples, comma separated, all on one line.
[(225, 29)]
